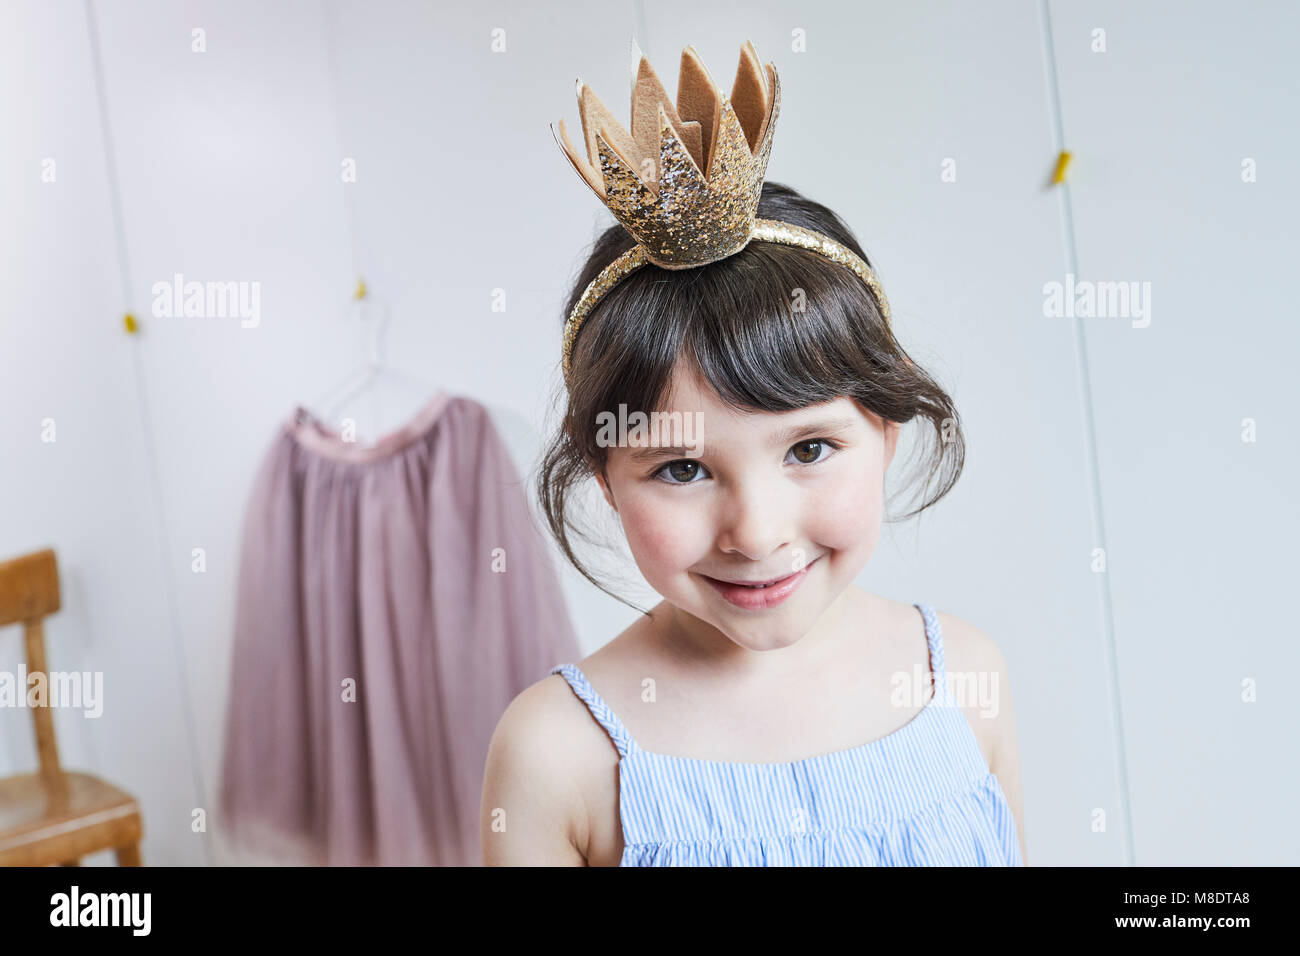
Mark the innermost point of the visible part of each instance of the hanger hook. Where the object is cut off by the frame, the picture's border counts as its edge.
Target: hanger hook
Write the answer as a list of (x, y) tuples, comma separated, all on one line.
[(374, 315)]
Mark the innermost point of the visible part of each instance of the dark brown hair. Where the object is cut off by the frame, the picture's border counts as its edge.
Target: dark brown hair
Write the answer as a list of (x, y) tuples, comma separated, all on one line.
[(736, 320)]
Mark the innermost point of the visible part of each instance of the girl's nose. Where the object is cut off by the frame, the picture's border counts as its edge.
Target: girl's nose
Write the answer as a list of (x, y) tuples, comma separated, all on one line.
[(756, 520)]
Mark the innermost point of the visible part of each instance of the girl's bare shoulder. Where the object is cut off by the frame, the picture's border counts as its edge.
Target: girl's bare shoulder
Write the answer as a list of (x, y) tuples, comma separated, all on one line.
[(552, 724), (557, 766), (967, 649), (977, 674)]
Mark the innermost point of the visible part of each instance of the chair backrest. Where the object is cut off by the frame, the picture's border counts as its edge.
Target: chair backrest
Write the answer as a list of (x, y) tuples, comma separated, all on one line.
[(29, 591)]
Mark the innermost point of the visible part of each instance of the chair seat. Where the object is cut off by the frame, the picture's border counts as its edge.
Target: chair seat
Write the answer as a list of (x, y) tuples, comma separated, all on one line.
[(41, 824)]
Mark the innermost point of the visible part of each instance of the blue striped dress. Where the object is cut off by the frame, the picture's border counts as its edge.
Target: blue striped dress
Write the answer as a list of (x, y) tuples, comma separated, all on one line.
[(920, 796)]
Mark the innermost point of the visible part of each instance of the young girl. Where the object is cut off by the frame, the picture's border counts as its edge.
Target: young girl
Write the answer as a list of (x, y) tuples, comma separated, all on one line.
[(767, 711)]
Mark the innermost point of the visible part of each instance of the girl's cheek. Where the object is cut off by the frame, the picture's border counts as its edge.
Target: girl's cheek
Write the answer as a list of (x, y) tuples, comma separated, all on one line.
[(661, 534), (847, 514)]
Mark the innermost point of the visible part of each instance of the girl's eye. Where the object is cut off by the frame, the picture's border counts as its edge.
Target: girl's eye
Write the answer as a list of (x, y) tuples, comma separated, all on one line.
[(816, 444), (684, 471)]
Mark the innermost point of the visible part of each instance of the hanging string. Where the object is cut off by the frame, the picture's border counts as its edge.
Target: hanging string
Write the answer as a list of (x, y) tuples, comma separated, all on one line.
[(110, 163), (1090, 441), (146, 423), (334, 88)]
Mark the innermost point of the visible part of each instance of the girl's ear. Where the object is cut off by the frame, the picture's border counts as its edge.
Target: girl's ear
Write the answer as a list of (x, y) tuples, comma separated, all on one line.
[(604, 488), (891, 440)]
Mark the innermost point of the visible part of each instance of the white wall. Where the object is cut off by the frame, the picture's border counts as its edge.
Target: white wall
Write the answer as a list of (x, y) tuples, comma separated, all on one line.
[(1083, 433)]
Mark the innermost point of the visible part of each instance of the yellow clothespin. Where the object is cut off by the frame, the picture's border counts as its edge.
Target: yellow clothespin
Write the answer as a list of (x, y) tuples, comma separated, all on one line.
[(1061, 162), (361, 290), (131, 326)]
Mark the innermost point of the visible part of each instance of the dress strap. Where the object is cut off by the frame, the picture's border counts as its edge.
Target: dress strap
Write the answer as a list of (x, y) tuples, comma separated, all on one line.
[(934, 639), (599, 709)]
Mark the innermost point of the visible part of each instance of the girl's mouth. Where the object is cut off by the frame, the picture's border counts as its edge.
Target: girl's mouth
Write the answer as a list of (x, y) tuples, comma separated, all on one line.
[(759, 597)]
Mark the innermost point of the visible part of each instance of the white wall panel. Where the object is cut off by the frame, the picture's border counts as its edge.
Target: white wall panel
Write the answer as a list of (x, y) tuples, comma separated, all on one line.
[(90, 494), (1199, 523)]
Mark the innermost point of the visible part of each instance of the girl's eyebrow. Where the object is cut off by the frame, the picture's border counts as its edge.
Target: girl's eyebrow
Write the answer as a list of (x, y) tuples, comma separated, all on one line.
[(785, 435), (824, 425)]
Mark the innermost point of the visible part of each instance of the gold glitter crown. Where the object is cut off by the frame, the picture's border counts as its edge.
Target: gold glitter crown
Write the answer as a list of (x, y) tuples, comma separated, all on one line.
[(685, 183)]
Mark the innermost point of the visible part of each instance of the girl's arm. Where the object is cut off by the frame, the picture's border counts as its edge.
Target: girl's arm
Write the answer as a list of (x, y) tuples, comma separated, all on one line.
[(1006, 757), (969, 651), (529, 813)]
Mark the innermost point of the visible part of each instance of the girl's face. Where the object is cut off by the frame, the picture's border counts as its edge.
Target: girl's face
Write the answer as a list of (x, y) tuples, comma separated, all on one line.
[(751, 497)]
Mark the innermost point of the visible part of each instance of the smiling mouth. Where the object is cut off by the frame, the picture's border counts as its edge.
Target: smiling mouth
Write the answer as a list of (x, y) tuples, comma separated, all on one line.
[(754, 584), (761, 584), (760, 596)]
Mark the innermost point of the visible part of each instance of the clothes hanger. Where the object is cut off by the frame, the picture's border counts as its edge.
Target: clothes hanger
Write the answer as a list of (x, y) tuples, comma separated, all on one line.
[(373, 316)]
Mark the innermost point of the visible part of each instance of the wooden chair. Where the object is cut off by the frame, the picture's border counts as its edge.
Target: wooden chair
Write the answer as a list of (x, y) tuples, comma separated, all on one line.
[(54, 816)]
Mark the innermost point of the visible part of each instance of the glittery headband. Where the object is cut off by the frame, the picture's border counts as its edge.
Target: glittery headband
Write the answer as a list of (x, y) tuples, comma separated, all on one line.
[(686, 183)]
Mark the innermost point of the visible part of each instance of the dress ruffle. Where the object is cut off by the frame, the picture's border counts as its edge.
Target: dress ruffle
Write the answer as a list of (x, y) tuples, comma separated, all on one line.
[(972, 828)]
